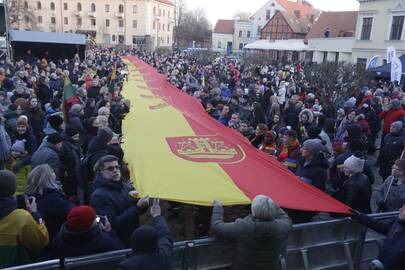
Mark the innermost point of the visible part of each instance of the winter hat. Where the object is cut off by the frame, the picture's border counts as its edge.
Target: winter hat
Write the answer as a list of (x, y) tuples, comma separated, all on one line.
[(76, 108), (263, 208), (354, 132), (395, 104), (145, 238), (354, 164), (18, 146), (71, 131), (54, 138), (397, 125), (22, 121), (55, 121), (105, 135), (80, 218), (316, 146), (8, 183)]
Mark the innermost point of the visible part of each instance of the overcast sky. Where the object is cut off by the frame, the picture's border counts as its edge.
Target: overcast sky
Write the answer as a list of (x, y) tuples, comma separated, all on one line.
[(224, 9)]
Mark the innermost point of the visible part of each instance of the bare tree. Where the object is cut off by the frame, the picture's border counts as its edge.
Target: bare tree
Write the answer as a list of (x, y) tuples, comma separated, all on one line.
[(242, 15), (193, 26), (21, 15)]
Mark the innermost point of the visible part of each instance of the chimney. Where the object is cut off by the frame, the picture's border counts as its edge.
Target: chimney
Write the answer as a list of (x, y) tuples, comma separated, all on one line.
[(297, 13)]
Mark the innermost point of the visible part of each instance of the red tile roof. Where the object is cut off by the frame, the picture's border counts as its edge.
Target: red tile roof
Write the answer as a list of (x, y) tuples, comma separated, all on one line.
[(341, 23), (224, 27), (167, 2), (298, 25), (304, 7)]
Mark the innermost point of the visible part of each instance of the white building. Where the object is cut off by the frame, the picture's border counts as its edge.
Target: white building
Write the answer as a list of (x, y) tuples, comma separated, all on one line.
[(222, 36), (331, 38), (380, 24)]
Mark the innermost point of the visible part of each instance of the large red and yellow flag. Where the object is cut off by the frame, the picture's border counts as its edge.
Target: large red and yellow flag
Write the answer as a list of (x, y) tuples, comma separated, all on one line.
[(177, 152)]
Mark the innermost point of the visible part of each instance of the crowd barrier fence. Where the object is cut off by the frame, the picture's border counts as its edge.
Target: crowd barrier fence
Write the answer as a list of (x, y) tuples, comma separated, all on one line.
[(333, 244)]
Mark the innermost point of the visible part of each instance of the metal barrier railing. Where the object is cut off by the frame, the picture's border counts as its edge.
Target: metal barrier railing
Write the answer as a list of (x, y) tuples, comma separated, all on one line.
[(334, 244)]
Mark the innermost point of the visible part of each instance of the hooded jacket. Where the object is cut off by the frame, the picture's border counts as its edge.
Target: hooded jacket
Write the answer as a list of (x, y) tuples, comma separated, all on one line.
[(74, 244), (21, 237), (259, 243), (111, 199)]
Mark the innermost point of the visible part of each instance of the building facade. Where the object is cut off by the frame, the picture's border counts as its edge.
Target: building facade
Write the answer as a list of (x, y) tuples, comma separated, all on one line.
[(127, 22), (380, 24), (331, 38)]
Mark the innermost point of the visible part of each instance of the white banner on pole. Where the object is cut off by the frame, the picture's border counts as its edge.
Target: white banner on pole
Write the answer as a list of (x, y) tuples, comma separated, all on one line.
[(391, 53), (396, 70), (373, 62)]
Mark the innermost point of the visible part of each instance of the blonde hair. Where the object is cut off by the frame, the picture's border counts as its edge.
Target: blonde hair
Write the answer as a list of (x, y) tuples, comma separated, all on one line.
[(40, 178)]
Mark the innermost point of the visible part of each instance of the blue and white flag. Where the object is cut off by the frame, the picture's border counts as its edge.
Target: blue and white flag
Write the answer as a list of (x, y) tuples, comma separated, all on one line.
[(391, 53), (373, 62), (396, 70)]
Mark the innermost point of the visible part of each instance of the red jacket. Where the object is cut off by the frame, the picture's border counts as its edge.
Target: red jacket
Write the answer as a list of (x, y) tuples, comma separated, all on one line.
[(390, 117)]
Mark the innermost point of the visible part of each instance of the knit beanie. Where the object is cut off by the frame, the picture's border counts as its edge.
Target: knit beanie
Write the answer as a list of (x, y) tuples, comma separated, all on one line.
[(263, 208), (80, 218), (145, 238), (314, 145), (395, 104), (71, 131), (54, 138), (397, 125), (105, 135), (18, 146), (55, 121), (354, 164), (76, 108), (22, 121), (8, 183)]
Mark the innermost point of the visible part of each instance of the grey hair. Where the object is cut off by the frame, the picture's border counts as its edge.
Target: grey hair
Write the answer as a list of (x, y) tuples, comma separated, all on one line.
[(263, 208), (40, 178)]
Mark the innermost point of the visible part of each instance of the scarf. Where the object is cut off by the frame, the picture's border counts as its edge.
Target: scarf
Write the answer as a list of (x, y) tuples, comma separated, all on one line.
[(286, 148)]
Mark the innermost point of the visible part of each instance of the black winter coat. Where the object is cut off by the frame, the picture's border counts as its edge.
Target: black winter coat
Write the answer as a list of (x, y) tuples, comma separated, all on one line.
[(111, 199), (44, 93), (356, 193), (70, 156), (392, 251), (314, 172), (159, 259), (74, 244), (392, 149)]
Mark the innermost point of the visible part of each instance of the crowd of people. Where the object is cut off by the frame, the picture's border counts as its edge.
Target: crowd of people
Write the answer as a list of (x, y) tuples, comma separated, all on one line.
[(65, 188)]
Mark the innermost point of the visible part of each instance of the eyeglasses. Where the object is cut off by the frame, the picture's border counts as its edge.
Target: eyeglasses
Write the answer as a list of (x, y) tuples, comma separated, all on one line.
[(112, 168)]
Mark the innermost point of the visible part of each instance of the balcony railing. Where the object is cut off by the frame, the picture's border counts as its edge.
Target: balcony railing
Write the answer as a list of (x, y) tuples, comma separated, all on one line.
[(92, 14), (77, 13), (120, 15)]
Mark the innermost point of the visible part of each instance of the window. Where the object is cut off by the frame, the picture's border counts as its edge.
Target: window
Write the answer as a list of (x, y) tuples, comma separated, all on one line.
[(164, 13), (154, 25), (240, 46), (159, 26), (361, 63), (52, 6), (366, 29), (39, 19), (79, 7), (154, 10), (258, 30), (93, 7), (168, 39), (79, 21), (134, 9), (240, 33), (168, 27), (121, 9), (53, 20), (268, 12), (121, 23), (107, 8), (163, 27), (248, 34), (337, 57), (113, 38), (107, 23), (219, 44), (25, 4), (168, 13), (26, 19), (396, 27), (39, 5), (134, 24), (65, 6), (65, 20), (93, 22)]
